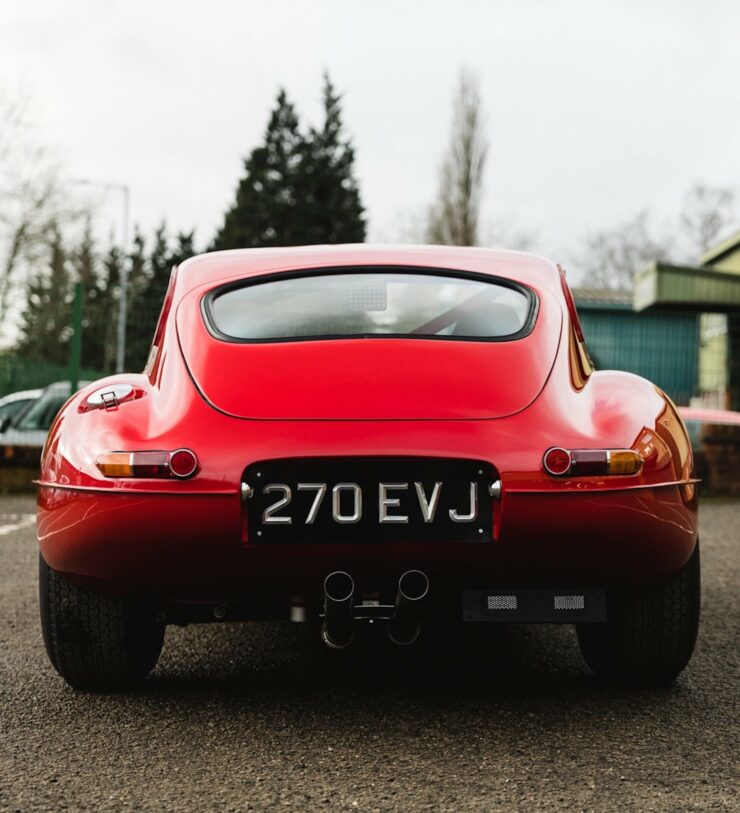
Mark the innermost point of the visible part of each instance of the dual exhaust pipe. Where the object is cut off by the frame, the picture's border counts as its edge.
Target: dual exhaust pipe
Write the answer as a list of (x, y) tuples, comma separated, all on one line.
[(338, 629)]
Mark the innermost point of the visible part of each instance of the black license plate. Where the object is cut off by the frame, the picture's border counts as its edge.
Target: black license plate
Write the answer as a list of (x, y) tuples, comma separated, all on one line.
[(369, 500)]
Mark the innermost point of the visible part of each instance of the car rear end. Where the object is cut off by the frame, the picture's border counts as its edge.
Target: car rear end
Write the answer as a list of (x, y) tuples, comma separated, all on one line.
[(368, 444)]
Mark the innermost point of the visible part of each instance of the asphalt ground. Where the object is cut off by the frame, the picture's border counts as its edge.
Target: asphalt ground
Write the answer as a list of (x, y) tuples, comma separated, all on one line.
[(264, 717)]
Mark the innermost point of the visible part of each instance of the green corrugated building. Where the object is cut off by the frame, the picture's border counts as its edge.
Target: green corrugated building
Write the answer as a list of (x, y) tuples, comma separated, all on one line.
[(680, 328), (660, 346), (712, 292)]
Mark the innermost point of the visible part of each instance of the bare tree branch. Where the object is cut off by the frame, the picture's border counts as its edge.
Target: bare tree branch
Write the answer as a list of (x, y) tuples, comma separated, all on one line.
[(503, 232), (611, 258), (707, 213), (453, 220), (29, 196)]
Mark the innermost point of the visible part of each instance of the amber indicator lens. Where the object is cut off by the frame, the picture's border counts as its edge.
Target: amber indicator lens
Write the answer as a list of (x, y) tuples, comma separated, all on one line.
[(624, 461), (148, 464), (115, 464), (560, 462)]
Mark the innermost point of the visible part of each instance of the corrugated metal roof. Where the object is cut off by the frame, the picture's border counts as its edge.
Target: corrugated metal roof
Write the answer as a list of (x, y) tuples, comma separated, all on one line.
[(722, 250), (698, 289), (602, 296)]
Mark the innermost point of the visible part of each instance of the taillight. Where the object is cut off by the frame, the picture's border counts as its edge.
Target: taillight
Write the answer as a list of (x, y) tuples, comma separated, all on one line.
[(560, 462), (181, 463), (557, 461)]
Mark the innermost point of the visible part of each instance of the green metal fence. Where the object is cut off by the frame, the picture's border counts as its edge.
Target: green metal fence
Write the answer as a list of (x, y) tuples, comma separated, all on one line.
[(80, 345), (29, 374)]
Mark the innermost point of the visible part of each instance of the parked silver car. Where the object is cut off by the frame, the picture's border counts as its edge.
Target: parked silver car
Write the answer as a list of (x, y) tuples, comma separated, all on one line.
[(30, 425), (14, 403)]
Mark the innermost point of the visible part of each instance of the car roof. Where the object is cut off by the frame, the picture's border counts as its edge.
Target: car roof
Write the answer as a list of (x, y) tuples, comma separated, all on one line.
[(207, 270), (21, 395), (61, 386)]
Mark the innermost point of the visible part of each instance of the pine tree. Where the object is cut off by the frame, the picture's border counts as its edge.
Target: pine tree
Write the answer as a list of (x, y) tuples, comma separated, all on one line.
[(264, 212), (136, 304), (112, 270), (153, 275), (334, 212), (46, 322), (297, 188), (184, 249), (159, 267), (137, 267), (163, 257), (96, 310)]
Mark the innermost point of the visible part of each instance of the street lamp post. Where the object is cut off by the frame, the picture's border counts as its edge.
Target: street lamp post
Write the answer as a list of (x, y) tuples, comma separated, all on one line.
[(123, 298)]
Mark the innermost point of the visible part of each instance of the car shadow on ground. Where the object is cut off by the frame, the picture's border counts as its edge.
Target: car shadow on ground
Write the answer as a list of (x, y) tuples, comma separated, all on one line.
[(478, 664)]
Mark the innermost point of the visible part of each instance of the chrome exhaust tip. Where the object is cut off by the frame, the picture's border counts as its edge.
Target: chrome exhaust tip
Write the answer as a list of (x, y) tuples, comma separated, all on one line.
[(338, 631), (405, 626)]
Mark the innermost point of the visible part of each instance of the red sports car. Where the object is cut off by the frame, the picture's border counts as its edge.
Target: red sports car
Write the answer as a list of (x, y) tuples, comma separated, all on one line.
[(403, 435)]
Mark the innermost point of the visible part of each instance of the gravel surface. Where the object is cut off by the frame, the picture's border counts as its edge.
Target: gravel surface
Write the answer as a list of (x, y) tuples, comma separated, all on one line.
[(263, 716)]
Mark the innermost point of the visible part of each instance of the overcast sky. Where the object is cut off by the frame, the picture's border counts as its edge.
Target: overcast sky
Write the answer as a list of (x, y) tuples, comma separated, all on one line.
[(594, 110)]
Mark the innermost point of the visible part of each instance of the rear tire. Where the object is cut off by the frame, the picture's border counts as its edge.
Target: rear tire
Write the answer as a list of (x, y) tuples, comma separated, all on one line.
[(650, 632), (93, 640)]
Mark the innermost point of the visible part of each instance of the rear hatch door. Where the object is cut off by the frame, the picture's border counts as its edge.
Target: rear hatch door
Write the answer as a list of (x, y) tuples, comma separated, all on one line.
[(375, 378)]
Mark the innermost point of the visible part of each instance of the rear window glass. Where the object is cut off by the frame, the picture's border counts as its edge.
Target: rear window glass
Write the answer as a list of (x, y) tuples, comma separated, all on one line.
[(370, 304)]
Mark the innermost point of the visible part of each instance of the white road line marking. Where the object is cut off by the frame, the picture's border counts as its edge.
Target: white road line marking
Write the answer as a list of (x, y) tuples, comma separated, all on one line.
[(21, 521)]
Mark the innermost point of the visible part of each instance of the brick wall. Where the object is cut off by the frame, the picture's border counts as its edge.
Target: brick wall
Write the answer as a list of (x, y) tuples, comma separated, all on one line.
[(721, 459)]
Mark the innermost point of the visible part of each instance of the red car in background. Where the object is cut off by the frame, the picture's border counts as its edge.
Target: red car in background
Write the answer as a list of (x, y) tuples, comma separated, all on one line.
[(355, 433)]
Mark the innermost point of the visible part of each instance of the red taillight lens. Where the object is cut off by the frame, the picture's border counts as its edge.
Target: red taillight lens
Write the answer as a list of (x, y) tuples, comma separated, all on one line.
[(181, 463), (557, 461), (591, 462)]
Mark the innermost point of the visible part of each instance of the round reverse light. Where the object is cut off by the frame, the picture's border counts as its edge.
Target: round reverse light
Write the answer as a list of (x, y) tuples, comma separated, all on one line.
[(183, 463), (557, 461)]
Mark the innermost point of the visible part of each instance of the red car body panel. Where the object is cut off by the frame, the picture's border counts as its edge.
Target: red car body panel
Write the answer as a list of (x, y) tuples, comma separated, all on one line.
[(233, 404), (369, 379)]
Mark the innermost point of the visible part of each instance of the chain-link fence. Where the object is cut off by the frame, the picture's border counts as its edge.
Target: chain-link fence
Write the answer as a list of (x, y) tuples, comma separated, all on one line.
[(80, 344), (66, 317)]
